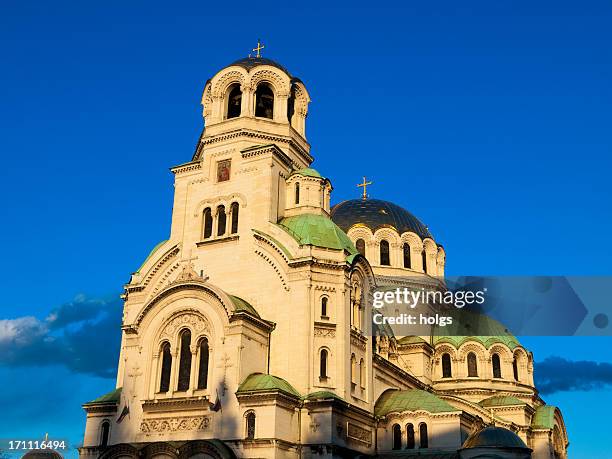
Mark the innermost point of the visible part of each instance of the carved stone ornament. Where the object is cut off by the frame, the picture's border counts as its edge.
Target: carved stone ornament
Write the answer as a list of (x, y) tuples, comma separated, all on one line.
[(175, 424), (195, 322)]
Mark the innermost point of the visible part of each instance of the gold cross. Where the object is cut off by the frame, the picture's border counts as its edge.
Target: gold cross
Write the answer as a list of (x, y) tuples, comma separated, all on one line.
[(260, 46), (365, 186)]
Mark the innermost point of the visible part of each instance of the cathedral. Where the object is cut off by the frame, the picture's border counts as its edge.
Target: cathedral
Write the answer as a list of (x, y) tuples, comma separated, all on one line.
[(248, 332)]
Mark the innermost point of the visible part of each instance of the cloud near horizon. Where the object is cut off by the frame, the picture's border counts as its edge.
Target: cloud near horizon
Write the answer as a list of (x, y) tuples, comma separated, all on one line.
[(556, 374), (82, 335)]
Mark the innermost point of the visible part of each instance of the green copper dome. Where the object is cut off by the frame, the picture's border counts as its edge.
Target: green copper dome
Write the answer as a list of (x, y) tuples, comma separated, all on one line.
[(317, 230), (398, 401), (308, 172), (494, 437), (259, 382), (471, 326)]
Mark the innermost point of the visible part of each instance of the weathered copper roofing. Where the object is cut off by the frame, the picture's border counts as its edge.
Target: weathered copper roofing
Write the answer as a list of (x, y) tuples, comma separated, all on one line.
[(494, 437), (317, 230), (398, 401), (259, 382)]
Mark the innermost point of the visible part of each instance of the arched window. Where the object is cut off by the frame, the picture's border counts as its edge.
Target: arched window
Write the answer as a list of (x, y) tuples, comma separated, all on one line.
[(203, 364), (515, 368), (423, 440), (234, 102), (104, 433), (424, 256), (324, 306), (208, 223), (406, 249), (496, 366), (353, 369), (184, 361), (384, 253), (397, 437), (360, 244), (446, 366), (250, 426), (410, 436), (472, 365), (297, 193), (264, 101), (323, 364), (221, 220), (164, 384), (362, 374), (234, 209)]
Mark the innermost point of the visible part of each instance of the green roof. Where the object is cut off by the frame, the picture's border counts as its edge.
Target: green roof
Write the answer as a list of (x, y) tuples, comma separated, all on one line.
[(259, 382), (544, 417), (242, 305), (277, 242), (411, 340), (322, 394), (500, 400), (151, 254), (308, 172), (111, 397), (398, 401), (471, 326), (317, 230)]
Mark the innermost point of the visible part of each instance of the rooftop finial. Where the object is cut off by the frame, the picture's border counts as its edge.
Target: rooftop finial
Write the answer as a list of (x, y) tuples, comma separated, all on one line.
[(364, 185), (260, 46)]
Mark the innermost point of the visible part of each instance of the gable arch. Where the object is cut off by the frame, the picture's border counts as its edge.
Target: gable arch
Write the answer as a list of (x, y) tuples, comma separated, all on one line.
[(278, 83), (195, 289), (222, 81)]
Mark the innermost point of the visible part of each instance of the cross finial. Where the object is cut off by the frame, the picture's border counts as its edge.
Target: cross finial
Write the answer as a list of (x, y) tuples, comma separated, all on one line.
[(260, 46), (364, 185)]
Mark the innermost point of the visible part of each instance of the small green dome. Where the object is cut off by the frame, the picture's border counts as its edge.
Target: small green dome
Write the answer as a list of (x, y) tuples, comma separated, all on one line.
[(260, 382), (317, 230), (471, 326), (398, 401), (494, 437), (308, 172)]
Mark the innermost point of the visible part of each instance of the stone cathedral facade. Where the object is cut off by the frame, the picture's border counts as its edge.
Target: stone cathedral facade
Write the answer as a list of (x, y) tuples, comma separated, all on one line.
[(247, 334)]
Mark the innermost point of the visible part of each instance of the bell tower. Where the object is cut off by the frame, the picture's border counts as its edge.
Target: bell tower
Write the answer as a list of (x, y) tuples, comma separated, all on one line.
[(256, 101), (254, 138)]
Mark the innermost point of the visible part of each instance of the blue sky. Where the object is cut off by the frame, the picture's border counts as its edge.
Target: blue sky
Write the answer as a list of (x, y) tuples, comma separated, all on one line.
[(488, 120)]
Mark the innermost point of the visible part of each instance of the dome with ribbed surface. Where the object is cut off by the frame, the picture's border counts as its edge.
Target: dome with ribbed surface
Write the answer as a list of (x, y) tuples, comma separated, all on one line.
[(375, 214)]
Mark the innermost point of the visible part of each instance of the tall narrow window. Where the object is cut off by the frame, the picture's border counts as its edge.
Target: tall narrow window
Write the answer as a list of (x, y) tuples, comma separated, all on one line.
[(250, 426), (384, 253), (234, 102), (515, 369), (297, 193), (104, 434), (323, 364), (362, 374), (446, 366), (221, 220), (472, 365), (203, 364), (324, 306), (406, 249), (424, 256), (397, 437), (410, 436), (208, 223), (423, 439), (264, 101), (166, 358), (185, 361), (234, 209), (360, 244), (353, 369), (496, 366)]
